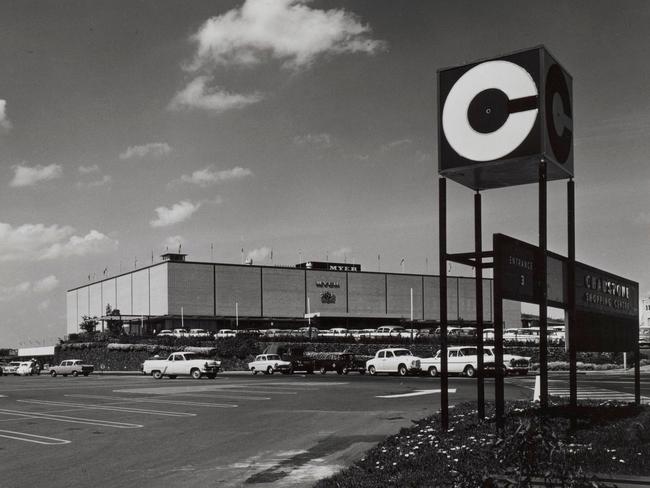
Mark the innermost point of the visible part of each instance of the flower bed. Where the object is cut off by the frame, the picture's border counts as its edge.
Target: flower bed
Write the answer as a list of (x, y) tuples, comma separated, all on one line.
[(610, 439)]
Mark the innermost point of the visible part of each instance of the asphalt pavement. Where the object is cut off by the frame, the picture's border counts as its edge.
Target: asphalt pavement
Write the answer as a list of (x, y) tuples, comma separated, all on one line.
[(266, 431)]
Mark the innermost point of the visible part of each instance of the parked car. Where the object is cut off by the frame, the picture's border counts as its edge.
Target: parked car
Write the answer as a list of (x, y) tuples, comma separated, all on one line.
[(556, 334), (488, 334), (360, 334), (199, 333), (180, 333), (272, 332), (223, 333), (11, 368), (26, 368), (165, 333), (311, 332), (182, 363), (644, 335), (514, 364), (390, 331), (295, 354), (341, 362), (74, 367), (394, 360), (269, 364), (335, 332), (460, 360), (528, 335)]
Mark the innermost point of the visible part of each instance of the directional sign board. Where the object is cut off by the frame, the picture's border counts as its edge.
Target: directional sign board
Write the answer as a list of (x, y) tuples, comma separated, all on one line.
[(607, 306)]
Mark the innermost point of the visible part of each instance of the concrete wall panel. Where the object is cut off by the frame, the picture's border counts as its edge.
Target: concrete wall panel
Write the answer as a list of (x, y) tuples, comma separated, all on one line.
[(327, 292), (158, 289), (191, 286), (399, 295), (283, 292), (367, 294), (241, 286), (108, 295), (141, 292), (96, 309), (431, 298), (123, 300), (72, 323)]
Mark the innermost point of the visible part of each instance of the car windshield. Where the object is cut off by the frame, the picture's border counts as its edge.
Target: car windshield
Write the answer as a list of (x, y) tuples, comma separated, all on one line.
[(402, 352), (196, 356), (273, 357)]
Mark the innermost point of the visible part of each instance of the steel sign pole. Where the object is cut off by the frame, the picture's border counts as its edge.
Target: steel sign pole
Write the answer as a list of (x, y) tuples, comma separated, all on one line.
[(442, 235), (571, 295), (480, 384), (497, 308), (543, 303)]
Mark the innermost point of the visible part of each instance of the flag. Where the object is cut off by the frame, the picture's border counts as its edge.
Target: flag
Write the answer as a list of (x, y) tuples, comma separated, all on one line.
[(401, 262)]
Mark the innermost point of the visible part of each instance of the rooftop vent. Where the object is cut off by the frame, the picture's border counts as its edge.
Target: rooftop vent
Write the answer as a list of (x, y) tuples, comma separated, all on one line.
[(173, 256)]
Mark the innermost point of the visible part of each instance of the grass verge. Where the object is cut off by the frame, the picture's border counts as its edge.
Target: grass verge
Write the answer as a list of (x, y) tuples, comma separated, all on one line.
[(534, 444)]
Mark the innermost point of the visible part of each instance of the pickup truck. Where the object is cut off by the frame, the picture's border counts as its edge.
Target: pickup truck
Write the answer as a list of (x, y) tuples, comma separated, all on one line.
[(75, 367), (182, 363)]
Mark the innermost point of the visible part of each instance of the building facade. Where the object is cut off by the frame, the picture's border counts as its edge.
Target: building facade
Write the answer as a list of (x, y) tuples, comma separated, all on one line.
[(177, 293)]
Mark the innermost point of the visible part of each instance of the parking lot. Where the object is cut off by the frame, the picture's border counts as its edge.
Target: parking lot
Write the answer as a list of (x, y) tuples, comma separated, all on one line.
[(126, 430)]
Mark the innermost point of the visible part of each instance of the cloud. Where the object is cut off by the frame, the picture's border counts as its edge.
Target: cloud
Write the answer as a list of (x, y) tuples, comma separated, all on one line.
[(84, 170), (151, 149), (285, 30), (208, 176), (215, 99), (28, 176), (322, 140), (5, 123), (104, 180), (92, 243), (260, 254), (46, 284), (44, 305), (171, 243), (395, 144), (177, 213)]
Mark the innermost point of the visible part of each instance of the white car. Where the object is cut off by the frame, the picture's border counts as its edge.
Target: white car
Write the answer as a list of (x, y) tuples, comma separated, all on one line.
[(179, 333), (460, 360), (165, 333), (182, 363), (390, 331), (514, 364), (396, 360), (25, 368), (269, 364), (223, 333), (199, 333), (335, 332), (11, 368)]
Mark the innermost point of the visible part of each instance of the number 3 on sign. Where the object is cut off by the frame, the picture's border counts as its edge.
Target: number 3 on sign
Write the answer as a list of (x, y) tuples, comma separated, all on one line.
[(522, 280)]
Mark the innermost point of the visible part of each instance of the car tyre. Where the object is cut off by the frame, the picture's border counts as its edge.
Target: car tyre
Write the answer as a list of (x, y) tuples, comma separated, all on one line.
[(254, 371), (470, 372), (401, 370), (269, 370), (196, 374), (372, 371), (52, 374), (323, 370), (433, 371), (156, 375), (75, 374)]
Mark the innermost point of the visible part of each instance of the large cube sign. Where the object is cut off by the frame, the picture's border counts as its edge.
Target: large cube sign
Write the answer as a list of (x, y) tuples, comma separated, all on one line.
[(498, 118)]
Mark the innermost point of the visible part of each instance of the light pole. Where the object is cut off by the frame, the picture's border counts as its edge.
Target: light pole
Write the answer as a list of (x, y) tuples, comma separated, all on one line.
[(411, 315), (237, 315)]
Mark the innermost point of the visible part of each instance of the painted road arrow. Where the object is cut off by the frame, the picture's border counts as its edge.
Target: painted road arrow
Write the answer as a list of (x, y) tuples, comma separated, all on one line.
[(416, 393)]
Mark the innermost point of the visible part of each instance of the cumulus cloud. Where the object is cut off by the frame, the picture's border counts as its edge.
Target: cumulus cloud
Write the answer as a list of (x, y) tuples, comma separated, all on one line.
[(41, 242), (260, 254), (84, 170), (322, 140), (197, 94), (208, 176), (151, 149), (395, 144), (176, 213), (46, 284), (5, 123), (104, 180), (30, 175), (286, 30)]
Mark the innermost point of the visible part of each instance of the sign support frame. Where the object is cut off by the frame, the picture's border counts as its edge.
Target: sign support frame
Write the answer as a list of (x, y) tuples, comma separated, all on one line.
[(478, 234), (543, 306), (442, 235)]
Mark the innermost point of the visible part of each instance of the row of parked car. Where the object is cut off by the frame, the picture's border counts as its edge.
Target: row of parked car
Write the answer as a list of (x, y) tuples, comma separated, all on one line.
[(73, 367), (521, 335)]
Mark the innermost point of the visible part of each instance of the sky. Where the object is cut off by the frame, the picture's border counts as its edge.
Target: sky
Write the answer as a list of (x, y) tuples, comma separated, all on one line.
[(290, 129)]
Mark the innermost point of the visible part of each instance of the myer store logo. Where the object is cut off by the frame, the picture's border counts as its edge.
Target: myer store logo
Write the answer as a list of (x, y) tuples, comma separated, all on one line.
[(327, 296), (328, 284)]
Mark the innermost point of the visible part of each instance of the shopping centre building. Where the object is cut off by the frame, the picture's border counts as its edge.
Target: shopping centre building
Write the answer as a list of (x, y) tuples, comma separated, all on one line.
[(178, 293)]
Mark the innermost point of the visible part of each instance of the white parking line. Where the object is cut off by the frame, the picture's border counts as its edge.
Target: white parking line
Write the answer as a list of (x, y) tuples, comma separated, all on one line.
[(218, 396), (156, 400), (36, 439), (74, 420), (171, 390), (416, 393), (110, 408)]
